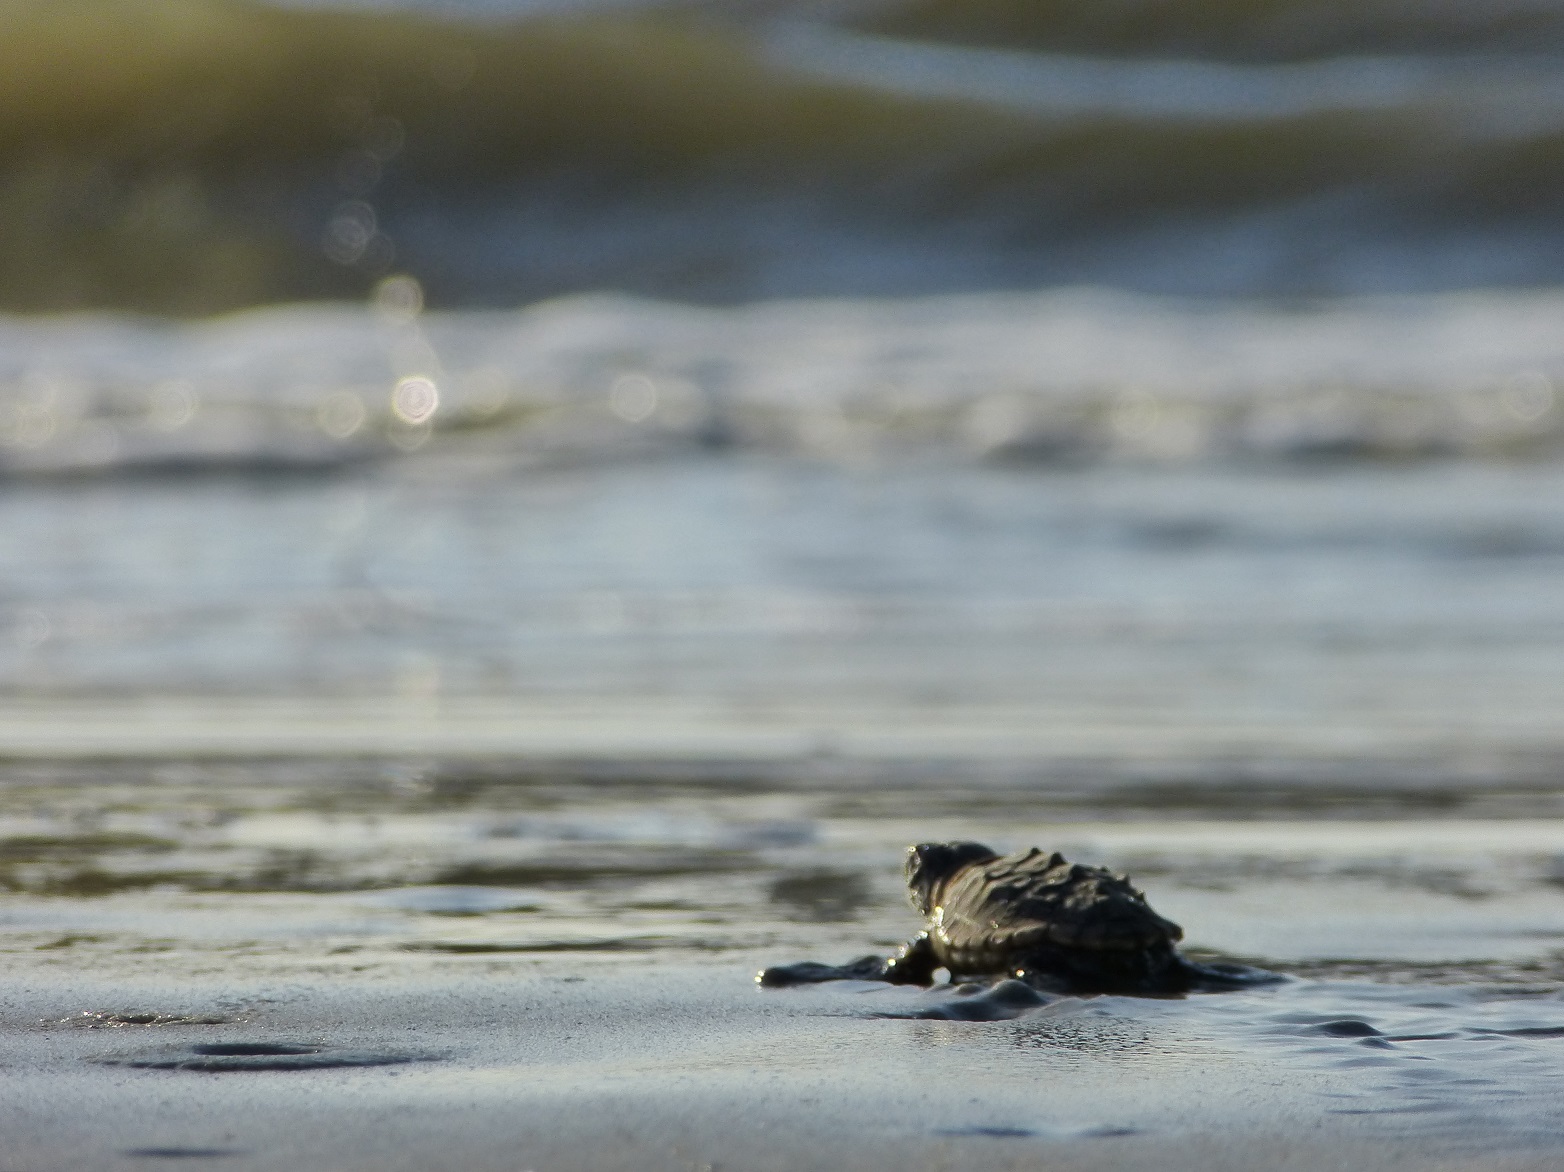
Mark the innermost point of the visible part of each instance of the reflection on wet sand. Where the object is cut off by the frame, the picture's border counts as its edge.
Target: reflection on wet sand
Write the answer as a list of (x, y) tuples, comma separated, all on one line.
[(481, 858)]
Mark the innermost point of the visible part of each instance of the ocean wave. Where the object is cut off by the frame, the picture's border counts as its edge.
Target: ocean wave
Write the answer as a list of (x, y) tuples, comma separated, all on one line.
[(1494, 96), (194, 156), (1066, 376), (1254, 30)]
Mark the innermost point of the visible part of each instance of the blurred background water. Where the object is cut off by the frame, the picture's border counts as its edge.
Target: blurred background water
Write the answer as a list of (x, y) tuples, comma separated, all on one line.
[(198, 155), (1125, 382)]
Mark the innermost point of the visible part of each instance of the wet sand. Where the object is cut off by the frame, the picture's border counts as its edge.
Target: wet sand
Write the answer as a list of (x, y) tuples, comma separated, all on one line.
[(387, 965), (565, 1065)]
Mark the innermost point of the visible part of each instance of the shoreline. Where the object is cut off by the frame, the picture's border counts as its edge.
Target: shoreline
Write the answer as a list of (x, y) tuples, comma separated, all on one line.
[(626, 735)]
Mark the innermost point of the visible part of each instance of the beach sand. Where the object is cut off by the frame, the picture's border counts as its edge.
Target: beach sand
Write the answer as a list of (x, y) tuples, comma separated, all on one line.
[(637, 1065), (375, 966)]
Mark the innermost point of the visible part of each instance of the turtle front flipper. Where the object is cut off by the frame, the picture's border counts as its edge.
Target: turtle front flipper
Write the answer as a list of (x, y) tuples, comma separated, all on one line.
[(913, 964), (808, 972)]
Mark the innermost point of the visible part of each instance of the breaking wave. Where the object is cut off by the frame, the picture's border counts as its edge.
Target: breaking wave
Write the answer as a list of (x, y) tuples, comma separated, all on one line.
[(1069, 375), (195, 156)]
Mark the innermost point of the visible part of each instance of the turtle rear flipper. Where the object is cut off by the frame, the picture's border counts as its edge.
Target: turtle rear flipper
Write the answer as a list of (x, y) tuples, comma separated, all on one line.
[(1223, 976)]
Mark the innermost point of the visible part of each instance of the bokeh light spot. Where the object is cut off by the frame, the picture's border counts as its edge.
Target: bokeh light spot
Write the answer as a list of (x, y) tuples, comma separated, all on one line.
[(1529, 396), (383, 138), (399, 298), (341, 414), (415, 399), (352, 227), (171, 405), (633, 397)]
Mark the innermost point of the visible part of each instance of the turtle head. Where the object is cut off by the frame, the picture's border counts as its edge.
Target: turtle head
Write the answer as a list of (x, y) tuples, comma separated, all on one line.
[(930, 864)]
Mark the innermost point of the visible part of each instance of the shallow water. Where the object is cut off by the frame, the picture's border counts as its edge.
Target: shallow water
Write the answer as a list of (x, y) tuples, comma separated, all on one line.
[(1342, 623), (1070, 526)]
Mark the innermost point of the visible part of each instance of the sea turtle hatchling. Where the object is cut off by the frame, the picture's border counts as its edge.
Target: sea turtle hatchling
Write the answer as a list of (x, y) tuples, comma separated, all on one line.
[(1031, 915)]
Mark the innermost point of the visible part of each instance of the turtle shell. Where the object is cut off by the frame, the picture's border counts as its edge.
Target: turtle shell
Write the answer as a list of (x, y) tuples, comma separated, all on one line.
[(990, 914)]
